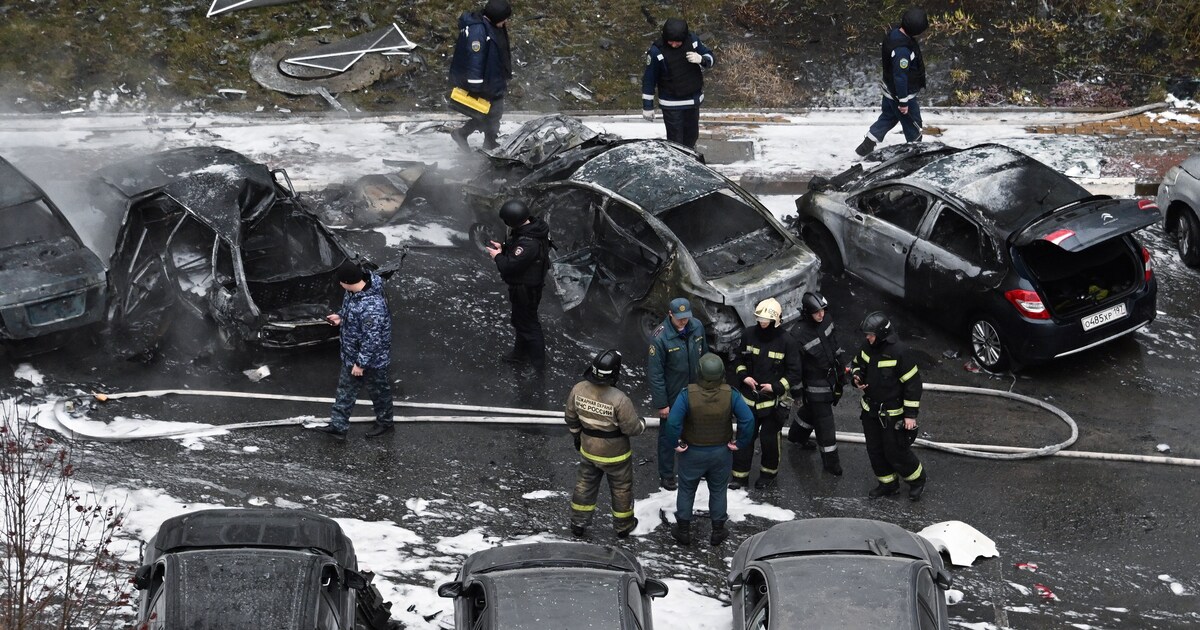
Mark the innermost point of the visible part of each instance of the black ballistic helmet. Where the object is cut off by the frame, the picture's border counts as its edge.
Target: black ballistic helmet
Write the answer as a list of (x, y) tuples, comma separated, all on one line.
[(877, 324), (496, 11), (675, 30), (514, 212), (605, 369), (914, 21), (813, 302)]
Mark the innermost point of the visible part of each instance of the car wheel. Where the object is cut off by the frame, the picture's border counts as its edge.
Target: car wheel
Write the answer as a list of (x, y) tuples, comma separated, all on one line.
[(986, 345), (639, 326), (1189, 238), (821, 241)]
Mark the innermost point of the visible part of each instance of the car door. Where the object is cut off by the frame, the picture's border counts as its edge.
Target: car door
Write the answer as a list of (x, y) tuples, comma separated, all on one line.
[(952, 263), (630, 253), (882, 229)]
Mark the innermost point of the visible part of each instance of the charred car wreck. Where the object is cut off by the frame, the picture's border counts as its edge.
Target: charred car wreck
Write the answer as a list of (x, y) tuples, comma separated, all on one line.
[(1029, 264), (227, 239), (636, 223)]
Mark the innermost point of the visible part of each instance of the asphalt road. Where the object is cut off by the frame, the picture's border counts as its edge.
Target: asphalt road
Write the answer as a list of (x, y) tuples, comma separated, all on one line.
[(1101, 533)]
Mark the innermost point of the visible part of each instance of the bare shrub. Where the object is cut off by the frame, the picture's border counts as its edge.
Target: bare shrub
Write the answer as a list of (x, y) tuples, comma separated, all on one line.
[(758, 82), (1080, 94), (56, 569)]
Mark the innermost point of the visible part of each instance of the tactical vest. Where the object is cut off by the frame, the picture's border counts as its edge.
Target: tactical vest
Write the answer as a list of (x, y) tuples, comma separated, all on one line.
[(679, 78), (916, 66), (709, 412)]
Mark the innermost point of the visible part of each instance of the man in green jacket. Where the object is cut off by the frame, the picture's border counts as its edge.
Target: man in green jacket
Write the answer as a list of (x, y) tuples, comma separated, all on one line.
[(673, 362)]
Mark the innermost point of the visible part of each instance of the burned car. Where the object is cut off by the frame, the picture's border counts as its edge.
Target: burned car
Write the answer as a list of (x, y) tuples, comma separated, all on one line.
[(855, 573), (1024, 260), (49, 281), (255, 568), (1179, 197), (226, 238), (635, 223), (564, 586)]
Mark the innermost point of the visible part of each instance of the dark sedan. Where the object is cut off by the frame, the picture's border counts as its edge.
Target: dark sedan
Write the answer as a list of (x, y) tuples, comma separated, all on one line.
[(838, 573), (1024, 260), (564, 586)]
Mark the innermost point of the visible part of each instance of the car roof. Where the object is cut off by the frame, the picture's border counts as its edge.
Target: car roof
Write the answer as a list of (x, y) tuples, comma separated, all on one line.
[(654, 174), (844, 592), (1001, 186), (15, 188), (833, 535), (272, 528), (552, 554)]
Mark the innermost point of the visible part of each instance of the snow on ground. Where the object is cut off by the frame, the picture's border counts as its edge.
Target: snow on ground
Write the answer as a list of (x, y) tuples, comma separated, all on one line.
[(26, 372), (543, 494), (410, 234), (650, 511), (686, 608)]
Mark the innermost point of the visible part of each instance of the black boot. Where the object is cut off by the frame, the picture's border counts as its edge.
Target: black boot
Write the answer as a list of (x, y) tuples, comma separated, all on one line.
[(866, 147), (719, 533), (765, 480), (799, 435), (739, 483), (578, 531), (832, 463), (916, 487), (668, 483), (624, 533), (884, 489), (682, 532)]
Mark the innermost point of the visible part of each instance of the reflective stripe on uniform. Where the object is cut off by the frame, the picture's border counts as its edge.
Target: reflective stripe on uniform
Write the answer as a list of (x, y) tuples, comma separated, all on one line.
[(865, 356), (606, 460), (887, 478), (786, 385), (617, 514), (829, 449), (912, 403), (752, 349), (916, 473), (893, 412), (803, 425), (810, 345), (888, 363), (775, 355), (740, 369), (765, 404), (865, 406), (769, 471), (690, 101), (582, 508), (647, 97), (911, 373), (818, 390), (741, 475)]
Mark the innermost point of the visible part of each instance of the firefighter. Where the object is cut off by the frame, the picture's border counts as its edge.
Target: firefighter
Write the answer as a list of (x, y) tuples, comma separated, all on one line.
[(672, 362), (768, 369), (823, 363), (675, 67), (890, 382), (903, 78), (602, 419), (523, 260)]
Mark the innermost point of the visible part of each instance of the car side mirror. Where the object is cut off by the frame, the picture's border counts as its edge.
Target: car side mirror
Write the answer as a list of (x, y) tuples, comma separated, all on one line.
[(450, 590), (944, 580), (735, 581), (141, 579), (655, 588), (354, 580)]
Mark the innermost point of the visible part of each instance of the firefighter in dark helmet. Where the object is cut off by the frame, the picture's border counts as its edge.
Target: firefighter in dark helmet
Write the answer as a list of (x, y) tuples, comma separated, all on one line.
[(890, 382), (523, 260), (602, 419), (823, 365)]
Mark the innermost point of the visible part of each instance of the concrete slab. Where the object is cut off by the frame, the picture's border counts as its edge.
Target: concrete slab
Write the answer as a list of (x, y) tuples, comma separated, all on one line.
[(723, 151)]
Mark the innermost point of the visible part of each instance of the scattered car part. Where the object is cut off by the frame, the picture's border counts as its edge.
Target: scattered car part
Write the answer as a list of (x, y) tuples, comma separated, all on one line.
[(340, 56), (224, 6)]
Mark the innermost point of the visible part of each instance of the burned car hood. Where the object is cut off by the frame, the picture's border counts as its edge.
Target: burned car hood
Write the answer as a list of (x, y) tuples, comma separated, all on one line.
[(221, 188), (794, 267), (542, 139), (620, 169)]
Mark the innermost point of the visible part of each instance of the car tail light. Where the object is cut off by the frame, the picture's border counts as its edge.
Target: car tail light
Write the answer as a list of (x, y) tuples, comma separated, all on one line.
[(1028, 303), (1148, 263), (1146, 204)]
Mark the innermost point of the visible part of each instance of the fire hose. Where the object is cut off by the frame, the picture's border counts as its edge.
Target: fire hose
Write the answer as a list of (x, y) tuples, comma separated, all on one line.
[(512, 416)]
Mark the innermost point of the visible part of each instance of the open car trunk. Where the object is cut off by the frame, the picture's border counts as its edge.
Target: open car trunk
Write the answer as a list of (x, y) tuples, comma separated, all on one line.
[(1073, 283)]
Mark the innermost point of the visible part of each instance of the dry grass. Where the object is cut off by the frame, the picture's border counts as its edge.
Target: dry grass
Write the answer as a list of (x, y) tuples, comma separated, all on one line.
[(759, 81)]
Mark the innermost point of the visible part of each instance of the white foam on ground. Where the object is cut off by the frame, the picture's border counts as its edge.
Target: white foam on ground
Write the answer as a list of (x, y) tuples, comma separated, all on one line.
[(26, 372), (652, 509), (543, 494)]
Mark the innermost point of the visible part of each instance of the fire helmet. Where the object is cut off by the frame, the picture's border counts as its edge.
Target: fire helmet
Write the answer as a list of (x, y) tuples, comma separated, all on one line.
[(813, 302), (605, 368), (769, 309), (877, 324)]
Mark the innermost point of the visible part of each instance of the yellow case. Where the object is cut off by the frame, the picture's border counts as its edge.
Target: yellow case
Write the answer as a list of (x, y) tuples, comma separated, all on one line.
[(459, 95)]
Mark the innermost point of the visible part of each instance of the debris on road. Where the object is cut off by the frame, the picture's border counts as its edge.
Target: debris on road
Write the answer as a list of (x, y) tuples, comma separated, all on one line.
[(257, 374), (1032, 567), (960, 541), (1045, 592)]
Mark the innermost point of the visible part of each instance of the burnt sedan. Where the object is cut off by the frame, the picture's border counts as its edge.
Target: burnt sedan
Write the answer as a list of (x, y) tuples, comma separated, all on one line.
[(636, 223), (565, 586), (1024, 260), (1179, 197), (227, 239), (838, 573), (49, 281)]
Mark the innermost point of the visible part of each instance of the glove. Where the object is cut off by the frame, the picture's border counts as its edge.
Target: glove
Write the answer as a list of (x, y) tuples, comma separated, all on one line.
[(648, 114), (694, 57), (576, 437)]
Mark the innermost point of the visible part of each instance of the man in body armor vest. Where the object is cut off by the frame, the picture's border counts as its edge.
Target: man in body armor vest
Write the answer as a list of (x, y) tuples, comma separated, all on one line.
[(523, 260), (823, 364), (768, 369), (674, 67), (602, 419), (903, 78), (888, 377), (700, 425)]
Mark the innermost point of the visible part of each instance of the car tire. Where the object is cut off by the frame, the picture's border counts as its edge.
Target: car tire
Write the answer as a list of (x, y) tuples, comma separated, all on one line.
[(1188, 231), (641, 324), (987, 345), (821, 242)]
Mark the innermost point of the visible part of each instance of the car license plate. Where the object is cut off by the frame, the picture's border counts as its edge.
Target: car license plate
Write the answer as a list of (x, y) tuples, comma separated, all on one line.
[(56, 310), (1104, 317)]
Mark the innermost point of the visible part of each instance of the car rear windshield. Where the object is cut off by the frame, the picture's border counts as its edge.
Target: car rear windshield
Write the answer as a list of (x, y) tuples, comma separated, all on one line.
[(237, 588), (30, 222), (845, 591), (537, 599), (723, 233)]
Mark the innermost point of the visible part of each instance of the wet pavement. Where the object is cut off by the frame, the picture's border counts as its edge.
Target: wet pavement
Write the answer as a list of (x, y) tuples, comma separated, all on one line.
[(1101, 533)]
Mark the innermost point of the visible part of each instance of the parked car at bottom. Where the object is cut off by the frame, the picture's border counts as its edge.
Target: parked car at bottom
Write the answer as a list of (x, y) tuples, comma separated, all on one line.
[(255, 568), (50, 282), (838, 573), (1179, 198), (1018, 256), (564, 586)]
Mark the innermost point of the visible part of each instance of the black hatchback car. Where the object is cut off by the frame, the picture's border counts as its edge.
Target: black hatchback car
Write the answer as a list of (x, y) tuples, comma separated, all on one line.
[(1024, 260)]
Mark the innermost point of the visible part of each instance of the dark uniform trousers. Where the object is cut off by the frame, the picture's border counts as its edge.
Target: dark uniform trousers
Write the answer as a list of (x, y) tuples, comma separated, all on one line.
[(588, 476), (530, 342), (888, 448), (768, 425), (818, 416), (490, 125), (683, 125)]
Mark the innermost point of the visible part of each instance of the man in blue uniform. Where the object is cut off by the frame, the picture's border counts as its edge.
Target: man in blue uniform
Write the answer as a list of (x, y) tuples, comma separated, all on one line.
[(903, 78), (482, 65), (674, 67), (673, 362)]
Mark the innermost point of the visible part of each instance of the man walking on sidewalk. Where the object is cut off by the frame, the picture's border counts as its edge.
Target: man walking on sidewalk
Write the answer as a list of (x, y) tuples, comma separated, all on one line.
[(903, 77), (675, 67)]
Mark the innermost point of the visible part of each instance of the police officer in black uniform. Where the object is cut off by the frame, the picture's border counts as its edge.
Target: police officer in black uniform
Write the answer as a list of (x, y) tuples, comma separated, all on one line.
[(523, 260), (823, 365), (888, 377), (903, 78)]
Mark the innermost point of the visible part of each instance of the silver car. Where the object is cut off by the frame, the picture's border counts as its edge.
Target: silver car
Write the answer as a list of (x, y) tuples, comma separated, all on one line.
[(1179, 198)]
